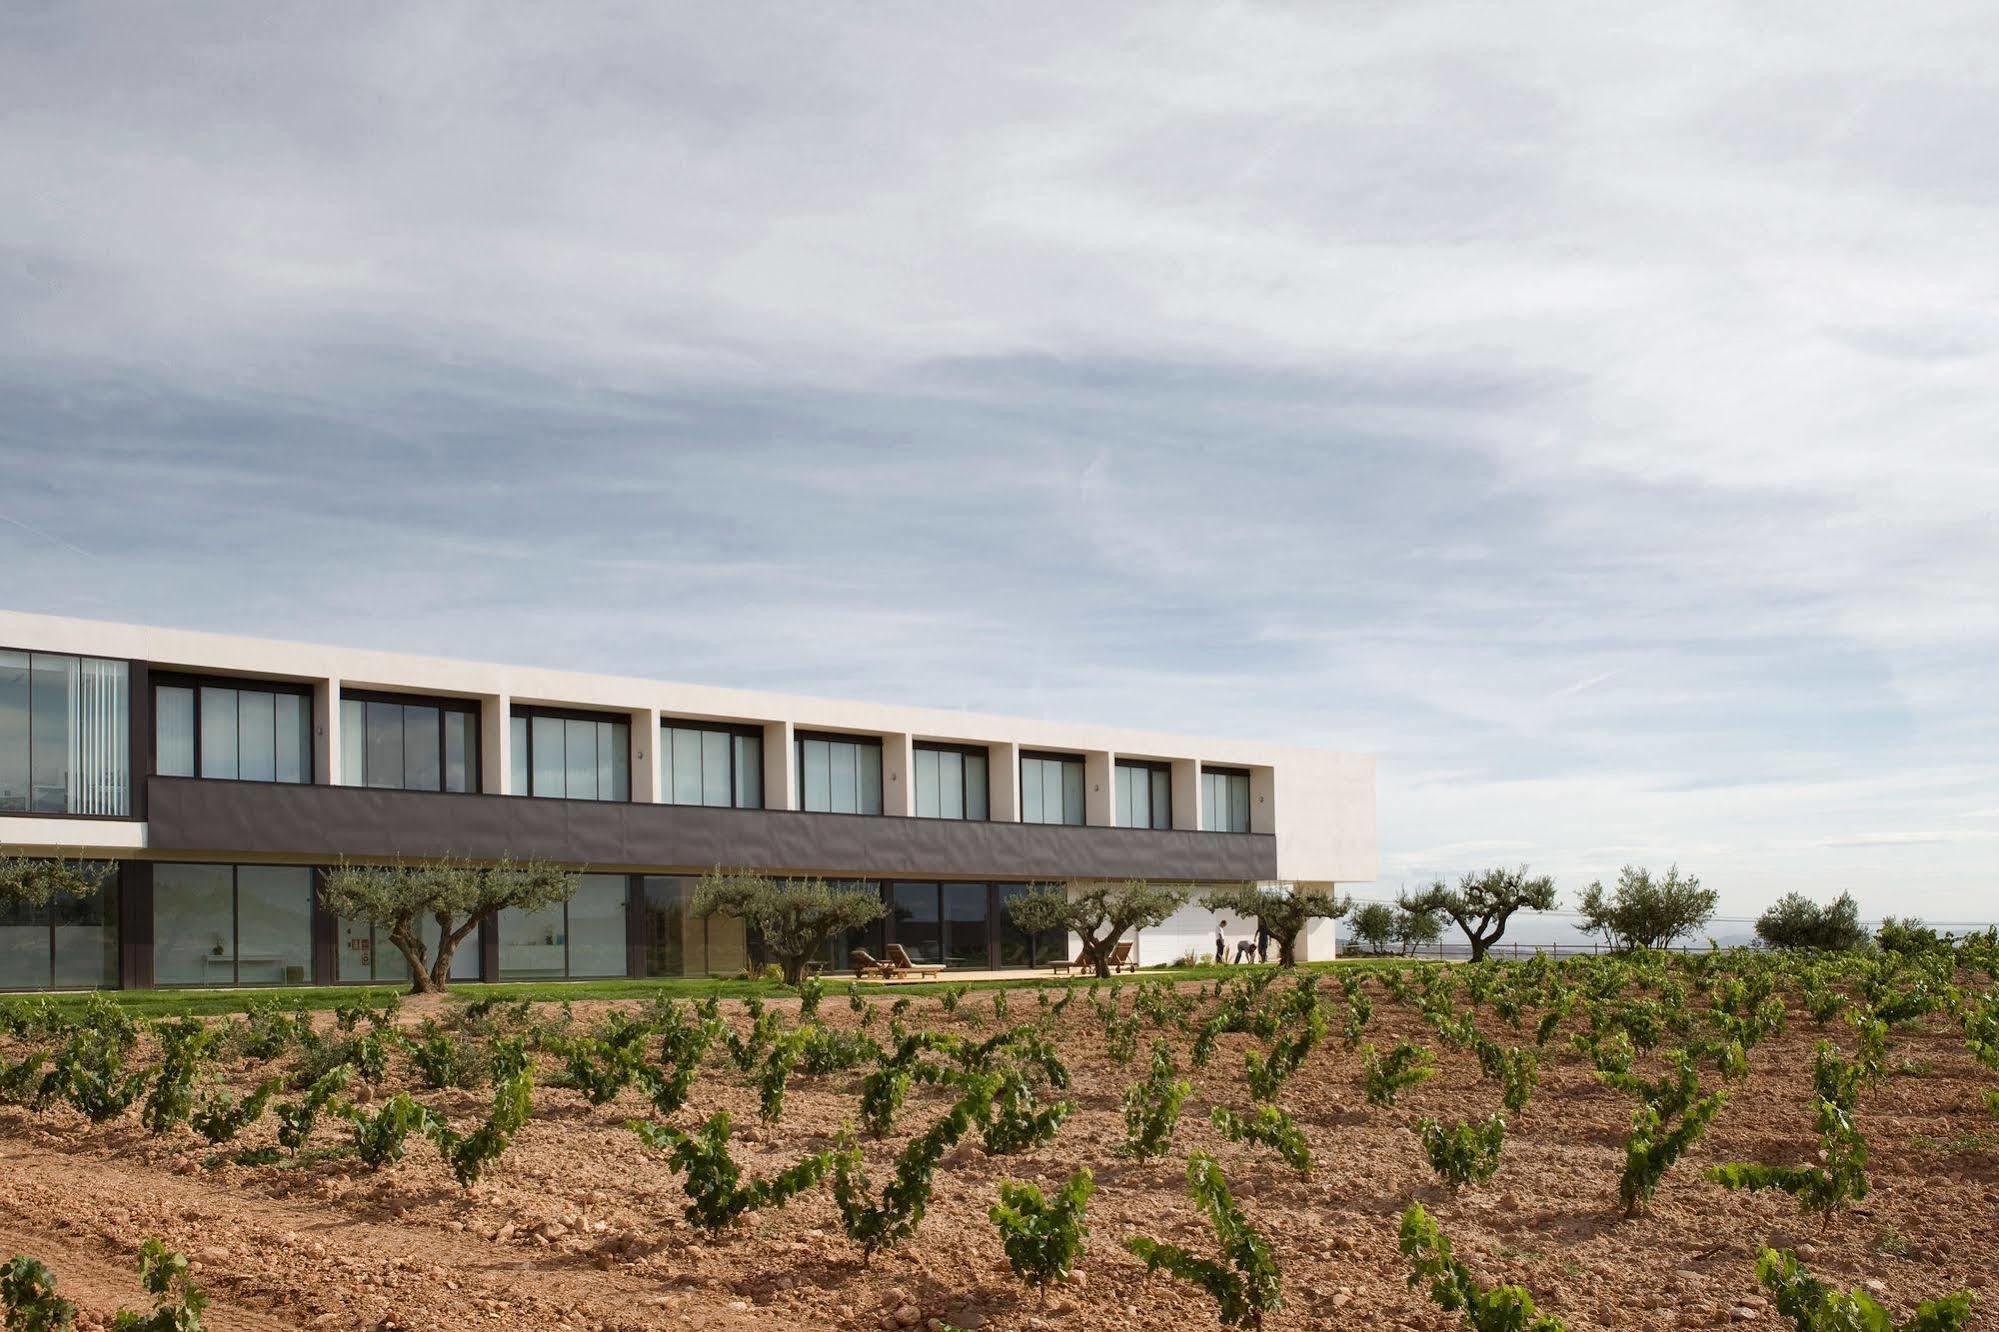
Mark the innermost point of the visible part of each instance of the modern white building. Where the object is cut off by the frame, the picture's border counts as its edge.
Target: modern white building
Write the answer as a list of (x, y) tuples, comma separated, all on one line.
[(211, 777)]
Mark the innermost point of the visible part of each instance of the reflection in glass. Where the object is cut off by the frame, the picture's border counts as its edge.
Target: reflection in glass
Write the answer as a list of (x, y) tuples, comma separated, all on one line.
[(194, 925), (273, 924), (917, 927), (256, 736), (173, 730)]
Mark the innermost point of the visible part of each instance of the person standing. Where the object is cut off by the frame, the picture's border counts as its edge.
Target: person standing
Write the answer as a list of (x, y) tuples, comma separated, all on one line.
[(1262, 942), (1221, 943)]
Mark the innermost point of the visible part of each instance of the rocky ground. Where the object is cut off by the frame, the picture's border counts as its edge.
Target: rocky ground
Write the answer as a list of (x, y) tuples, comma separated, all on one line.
[(579, 1226)]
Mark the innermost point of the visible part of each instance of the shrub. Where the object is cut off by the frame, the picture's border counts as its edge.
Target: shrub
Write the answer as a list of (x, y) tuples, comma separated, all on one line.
[(184, 1047), (1152, 1106), (296, 1118), (1814, 1308), (715, 1197), (1795, 921), (885, 1222), (90, 1074), (811, 992), (1463, 1153), (1269, 1127), (682, 1048), (379, 1138), (603, 1066), (177, 1301), (220, 1117), (440, 1059), (1387, 1077), (1455, 1290), (1307, 1026), (1839, 1178), (1043, 1239), (1016, 1123), (28, 1298), (1245, 1283), (513, 1090), (1652, 1147)]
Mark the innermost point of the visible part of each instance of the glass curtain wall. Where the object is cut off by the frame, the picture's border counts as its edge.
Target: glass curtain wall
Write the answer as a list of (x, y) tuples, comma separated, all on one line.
[(1051, 788), (1224, 800), (679, 943), (65, 742), (711, 765), (225, 925), (69, 944), (1144, 796), (409, 745), (1018, 948), (580, 938), (571, 756), (232, 731), (839, 774), (950, 782), (364, 953)]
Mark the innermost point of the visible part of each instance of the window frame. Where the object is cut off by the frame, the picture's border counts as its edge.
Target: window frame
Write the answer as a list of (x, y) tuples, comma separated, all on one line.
[(308, 758), (1153, 768), (463, 706), (236, 868), (662, 747), (964, 781), (529, 711), (135, 674), (1223, 770), (1081, 762), (860, 738)]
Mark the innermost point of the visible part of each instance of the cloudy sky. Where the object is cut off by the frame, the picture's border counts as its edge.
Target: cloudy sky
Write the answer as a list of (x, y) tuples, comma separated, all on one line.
[(1597, 420)]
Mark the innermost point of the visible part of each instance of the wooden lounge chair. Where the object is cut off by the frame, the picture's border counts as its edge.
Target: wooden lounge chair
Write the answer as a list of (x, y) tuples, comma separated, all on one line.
[(867, 964), (899, 959), (1121, 958), (1083, 961)]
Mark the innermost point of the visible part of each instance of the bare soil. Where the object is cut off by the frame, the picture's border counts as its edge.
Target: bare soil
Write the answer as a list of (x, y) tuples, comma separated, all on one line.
[(579, 1225)]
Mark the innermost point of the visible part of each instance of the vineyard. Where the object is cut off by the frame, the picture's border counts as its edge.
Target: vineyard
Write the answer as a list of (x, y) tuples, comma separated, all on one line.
[(1644, 1141)]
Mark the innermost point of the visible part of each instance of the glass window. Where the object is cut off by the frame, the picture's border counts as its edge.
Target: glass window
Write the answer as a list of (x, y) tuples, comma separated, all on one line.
[(950, 782), (533, 944), (580, 737), (71, 943), (517, 734), (385, 748), (1144, 796), (597, 926), (194, 924), (1019, 948), (48, 732), (927, 802), (839, 776), (256, 736), (573, 758), (355, 956), (917, 928), (15, 767), (966, 921), (294, 738), (715, 784), (461, 751), (423, 749), (1051, 789), (173, 717), (218, 732), (1224, 800), (582, 937), (749, 771), (976, 806), (273, 925)]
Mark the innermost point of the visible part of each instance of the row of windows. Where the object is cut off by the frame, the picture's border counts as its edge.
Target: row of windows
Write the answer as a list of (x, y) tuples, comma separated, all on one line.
[(220, 926), (64, 750)]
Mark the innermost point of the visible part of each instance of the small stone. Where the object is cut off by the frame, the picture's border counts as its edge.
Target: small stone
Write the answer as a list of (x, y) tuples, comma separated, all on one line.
[(908, 1316)]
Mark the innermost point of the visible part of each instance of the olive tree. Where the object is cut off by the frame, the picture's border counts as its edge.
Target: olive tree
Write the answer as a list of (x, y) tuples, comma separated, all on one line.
[(1372, 927), (1481, 904), (1795, 921), (1643, 912), (457, 894), (1283, 913), (1414, 929), (793, 917), (29, 883), (1099, 915)]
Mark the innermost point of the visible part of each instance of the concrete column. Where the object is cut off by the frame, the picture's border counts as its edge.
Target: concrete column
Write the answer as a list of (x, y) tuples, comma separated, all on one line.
[(645, 756), (1099, 787), (1320, 940), (496, 760), (780, 767), (898, 767), (326, 732), (1187, 794), (1003, 782), (1263, 800)]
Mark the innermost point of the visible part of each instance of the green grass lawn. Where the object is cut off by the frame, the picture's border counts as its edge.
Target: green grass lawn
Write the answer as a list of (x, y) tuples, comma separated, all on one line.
[(175, 1003)]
